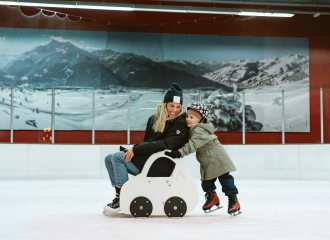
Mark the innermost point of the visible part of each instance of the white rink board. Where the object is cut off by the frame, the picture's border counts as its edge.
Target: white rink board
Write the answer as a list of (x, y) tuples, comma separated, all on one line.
[(63, 161)]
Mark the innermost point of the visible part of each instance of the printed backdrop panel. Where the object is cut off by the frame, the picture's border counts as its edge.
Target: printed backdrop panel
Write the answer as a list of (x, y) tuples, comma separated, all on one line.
[(213, 69)]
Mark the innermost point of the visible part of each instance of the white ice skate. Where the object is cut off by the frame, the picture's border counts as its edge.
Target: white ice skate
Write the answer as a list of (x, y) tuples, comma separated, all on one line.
[(110, 211)]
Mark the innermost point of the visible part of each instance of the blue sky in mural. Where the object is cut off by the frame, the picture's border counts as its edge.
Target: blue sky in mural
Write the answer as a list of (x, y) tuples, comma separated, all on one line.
[(18, 41), (231, 48), (159, 46), (188, 47)]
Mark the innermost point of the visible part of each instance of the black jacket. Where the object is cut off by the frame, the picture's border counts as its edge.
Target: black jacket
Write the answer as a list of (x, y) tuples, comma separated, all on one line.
[(174, 136)]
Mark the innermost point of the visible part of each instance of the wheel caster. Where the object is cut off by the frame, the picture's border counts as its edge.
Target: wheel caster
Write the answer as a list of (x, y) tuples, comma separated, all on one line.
[(175, 207), (141, 207)]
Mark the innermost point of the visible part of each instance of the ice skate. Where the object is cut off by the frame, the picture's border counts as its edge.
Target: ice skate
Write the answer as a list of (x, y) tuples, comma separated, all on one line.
[(234, 208), (211, 200), (113, 207)]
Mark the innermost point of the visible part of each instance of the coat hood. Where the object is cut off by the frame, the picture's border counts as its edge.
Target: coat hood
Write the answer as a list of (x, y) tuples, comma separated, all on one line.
[(207, 126)]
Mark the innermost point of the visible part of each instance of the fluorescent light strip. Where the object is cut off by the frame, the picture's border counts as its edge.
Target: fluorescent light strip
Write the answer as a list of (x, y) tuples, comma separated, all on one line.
[(75, 5), (159, 10), (149, 8), (213, 12), (115, 8), (8, 3), (260, 14)]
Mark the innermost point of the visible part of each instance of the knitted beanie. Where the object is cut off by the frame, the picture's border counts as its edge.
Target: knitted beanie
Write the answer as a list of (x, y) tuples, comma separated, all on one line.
[(174, 94)]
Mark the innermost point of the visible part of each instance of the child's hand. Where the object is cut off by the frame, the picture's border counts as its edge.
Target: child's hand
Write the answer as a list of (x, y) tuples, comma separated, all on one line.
[(173, 154)]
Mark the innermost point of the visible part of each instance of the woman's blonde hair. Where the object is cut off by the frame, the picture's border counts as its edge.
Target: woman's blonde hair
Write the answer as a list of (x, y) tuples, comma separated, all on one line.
[(162, 117)]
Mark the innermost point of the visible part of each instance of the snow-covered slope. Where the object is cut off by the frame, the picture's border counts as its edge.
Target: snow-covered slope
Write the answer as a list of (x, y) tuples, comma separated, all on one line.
[(59, 64), (6, 58), (267, 72)]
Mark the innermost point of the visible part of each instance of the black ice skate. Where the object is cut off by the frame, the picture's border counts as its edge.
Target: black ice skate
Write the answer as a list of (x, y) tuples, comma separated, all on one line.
[(234, 208), (211, 200), (113, 207)]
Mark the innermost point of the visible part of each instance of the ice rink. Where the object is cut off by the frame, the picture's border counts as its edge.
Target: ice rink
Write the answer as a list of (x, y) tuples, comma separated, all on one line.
[(72, 209)]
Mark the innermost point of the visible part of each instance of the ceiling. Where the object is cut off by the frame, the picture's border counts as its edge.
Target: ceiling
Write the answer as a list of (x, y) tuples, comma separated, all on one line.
[(296, 6), (312, 8)]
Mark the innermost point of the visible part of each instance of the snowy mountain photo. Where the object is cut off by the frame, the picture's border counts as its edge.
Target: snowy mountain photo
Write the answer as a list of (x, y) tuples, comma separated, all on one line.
[(266, 72), (5, 58), (214, 68), (57, 64), (62, 64)]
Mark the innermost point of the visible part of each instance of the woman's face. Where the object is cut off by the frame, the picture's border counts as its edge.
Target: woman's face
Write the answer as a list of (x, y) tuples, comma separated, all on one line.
[(173, 109)]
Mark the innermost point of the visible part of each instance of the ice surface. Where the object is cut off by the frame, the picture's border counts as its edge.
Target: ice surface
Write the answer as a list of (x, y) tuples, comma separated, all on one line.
[(72, 209)]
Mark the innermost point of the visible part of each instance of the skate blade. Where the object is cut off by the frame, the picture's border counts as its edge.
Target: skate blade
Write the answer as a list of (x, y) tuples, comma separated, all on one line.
[(111, 211), (212, 210), (236, 213)]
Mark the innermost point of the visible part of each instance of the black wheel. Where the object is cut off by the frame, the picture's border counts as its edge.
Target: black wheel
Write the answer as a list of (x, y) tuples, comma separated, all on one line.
[(175, 207), (141, 207)]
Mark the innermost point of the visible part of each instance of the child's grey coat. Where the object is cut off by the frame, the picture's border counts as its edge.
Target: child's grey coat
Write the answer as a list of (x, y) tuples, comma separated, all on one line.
[(213, 158)]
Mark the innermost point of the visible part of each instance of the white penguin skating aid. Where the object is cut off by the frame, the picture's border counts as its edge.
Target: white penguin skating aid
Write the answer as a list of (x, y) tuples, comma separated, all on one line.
[(173, 196)]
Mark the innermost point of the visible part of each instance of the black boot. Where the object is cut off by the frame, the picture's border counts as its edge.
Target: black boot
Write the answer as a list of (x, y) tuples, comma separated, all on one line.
[(115, 201), (113, 207)]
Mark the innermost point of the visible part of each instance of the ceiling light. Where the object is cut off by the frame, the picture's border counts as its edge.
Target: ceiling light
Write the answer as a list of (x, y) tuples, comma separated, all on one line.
[(37, 4), (77, 5), (316, 14), (265, 14), (98, 7), (159, 9), (8, 3), (229, 12)]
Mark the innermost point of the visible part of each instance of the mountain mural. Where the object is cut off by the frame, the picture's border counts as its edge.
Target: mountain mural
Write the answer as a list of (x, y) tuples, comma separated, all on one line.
[(5, 58), (140, 71), (2, 74), (57, 64), (267, 72), (62, 64)]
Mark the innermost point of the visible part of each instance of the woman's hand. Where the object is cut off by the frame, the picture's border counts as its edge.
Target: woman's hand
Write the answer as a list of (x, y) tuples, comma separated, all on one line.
[(128, 155)]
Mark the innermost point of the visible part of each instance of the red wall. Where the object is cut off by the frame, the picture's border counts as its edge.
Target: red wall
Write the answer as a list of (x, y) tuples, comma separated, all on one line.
[(299, 26)]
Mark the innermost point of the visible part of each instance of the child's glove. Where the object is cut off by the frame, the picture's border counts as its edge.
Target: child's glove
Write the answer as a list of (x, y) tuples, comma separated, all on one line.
[(173, 154)]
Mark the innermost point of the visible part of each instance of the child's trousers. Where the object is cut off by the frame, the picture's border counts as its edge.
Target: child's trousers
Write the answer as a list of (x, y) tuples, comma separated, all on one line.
[(226, 181)]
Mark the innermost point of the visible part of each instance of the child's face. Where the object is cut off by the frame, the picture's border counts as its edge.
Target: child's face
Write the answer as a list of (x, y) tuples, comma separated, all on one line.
[(191, 120)]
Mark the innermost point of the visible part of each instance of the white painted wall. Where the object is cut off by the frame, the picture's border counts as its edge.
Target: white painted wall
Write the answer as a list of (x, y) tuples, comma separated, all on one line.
[(38, 161)]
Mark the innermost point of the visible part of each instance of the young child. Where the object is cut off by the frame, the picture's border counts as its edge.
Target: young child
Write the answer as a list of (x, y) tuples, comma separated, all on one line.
[(214, 160)]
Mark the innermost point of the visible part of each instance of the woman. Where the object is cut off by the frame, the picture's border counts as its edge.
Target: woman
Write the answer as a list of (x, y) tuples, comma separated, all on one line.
[(167, 129)]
